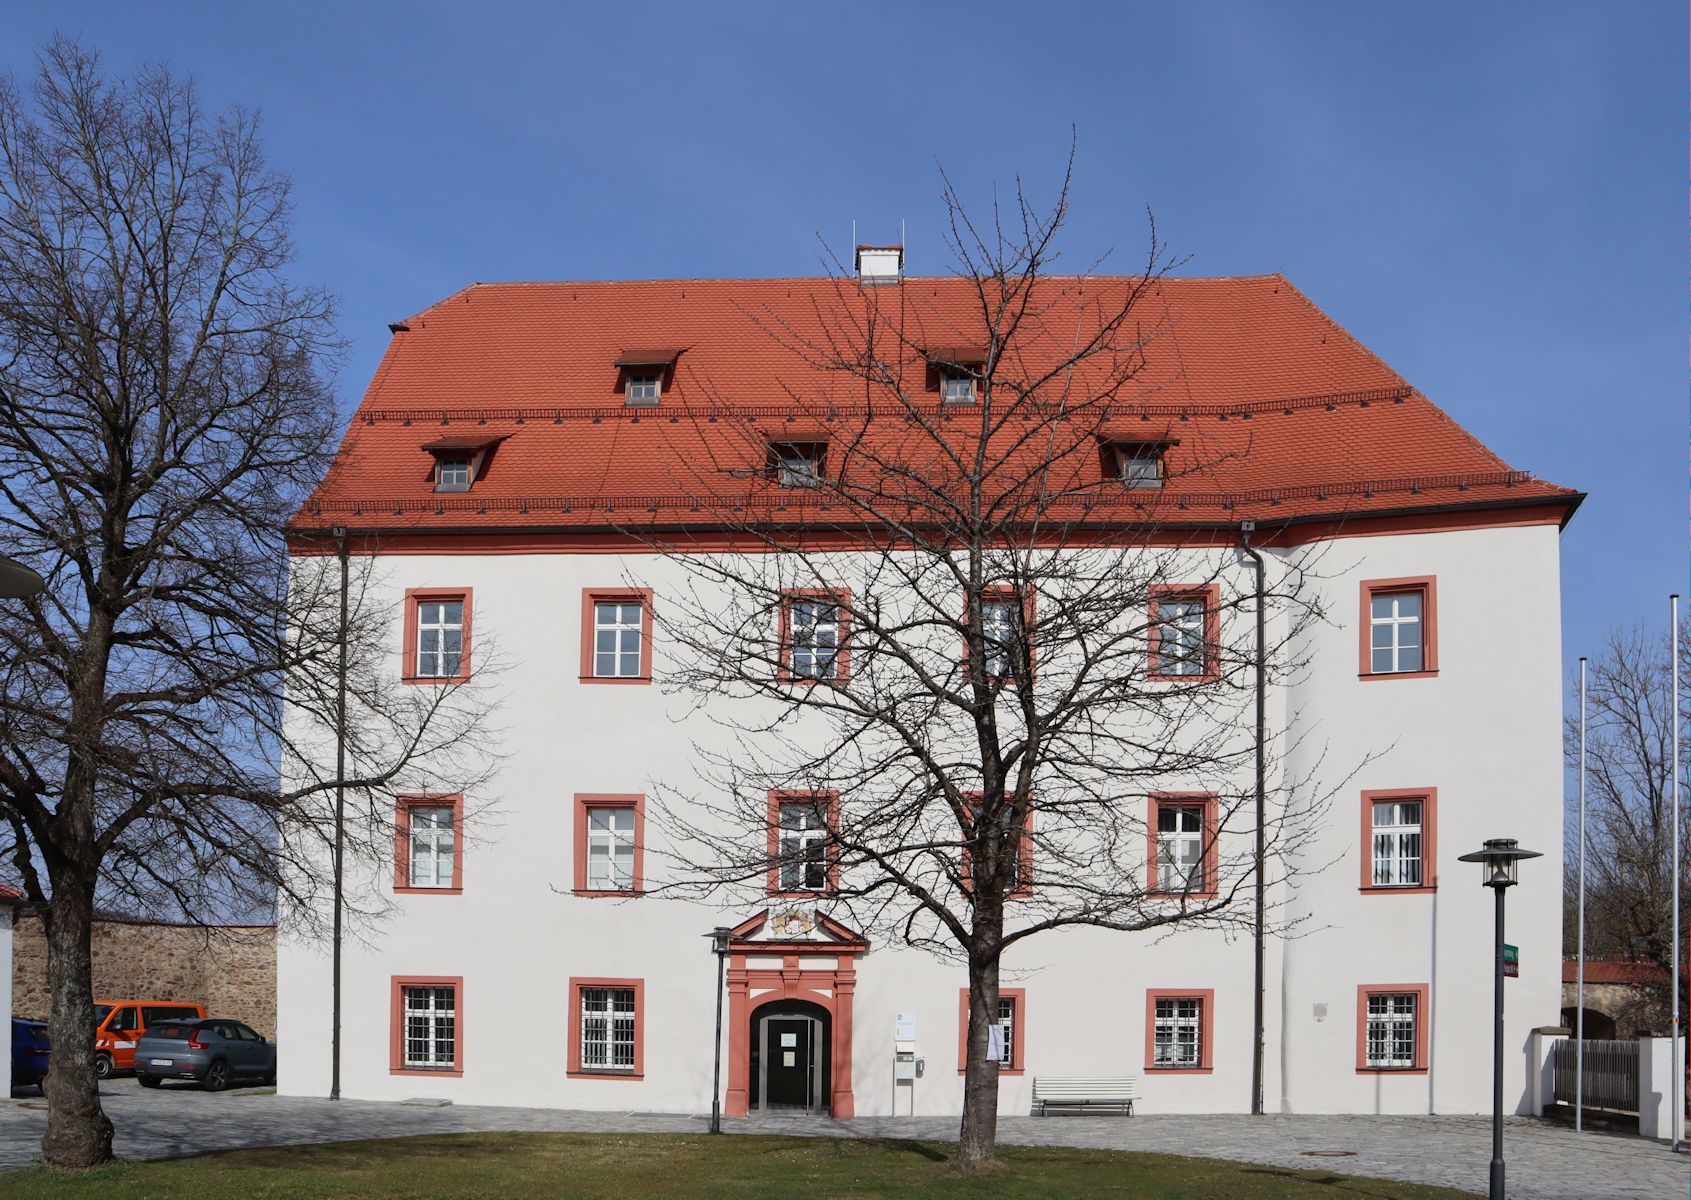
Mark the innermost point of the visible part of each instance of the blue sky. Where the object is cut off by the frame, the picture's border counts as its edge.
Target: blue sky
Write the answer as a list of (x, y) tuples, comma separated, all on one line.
[(1492, 197)]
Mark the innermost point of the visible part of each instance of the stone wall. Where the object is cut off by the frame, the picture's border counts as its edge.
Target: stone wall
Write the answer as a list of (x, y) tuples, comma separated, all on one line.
[(229, 969)]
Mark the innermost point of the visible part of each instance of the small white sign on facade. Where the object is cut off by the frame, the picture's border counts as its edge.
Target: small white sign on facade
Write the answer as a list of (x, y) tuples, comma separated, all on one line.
[(789, 1039), (904, 1027)]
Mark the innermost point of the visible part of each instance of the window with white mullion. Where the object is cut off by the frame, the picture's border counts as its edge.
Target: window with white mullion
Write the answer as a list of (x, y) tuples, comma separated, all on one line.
[(607, 1029), (431, 1027), (804, 847), (440, 638), (616, 639), (1391, 1030), (815, 634), (1395, 634), (433, 842), (1180, 635), (1397, 843), (1180, 848), (1001, 626), (1177, 1038), (610, 848), (1007, 1023)]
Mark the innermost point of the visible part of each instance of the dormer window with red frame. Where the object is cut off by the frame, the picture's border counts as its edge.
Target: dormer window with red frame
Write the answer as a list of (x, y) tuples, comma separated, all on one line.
[(644, 373), (797, 464), (460, 461), (956, 371), (1135, 465)]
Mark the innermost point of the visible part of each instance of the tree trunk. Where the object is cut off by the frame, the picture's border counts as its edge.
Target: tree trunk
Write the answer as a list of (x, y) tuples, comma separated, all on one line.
[(977, 1141), (79, 1134)]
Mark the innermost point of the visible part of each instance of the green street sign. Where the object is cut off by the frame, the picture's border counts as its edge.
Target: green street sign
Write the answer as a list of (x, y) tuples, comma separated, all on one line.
[(1511, 961)]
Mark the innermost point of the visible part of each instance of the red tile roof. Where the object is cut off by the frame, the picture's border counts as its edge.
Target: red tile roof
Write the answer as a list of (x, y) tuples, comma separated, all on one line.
[(1608, 971), (1294, 418)]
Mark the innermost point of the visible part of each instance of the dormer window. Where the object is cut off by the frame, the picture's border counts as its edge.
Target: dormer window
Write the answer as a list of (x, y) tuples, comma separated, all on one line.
[(452, 474), (957, 389), (797, 464), (1136, 465), (460, 461), (956, 370), (644, 373), (643, 389)]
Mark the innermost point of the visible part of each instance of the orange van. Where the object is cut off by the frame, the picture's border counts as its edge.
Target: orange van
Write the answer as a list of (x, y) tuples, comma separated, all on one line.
[(119, 1024)]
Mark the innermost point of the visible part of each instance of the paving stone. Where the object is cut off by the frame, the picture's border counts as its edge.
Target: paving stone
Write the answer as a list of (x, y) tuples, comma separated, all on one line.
[(1546, 1161)]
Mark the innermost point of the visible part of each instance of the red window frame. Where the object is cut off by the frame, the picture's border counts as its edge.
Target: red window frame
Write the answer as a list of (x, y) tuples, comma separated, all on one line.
[(1024, 851), (415, 597), (396, 1024), (1210, 594), (829, 801), (587, 800), (574, 1069), (593, 596), (1211, 821), (1206, 1029), (402, 841), (1427, 585), (1422, 993), (1018, 1042), (841, 598), (1429, 798), (995, 594)]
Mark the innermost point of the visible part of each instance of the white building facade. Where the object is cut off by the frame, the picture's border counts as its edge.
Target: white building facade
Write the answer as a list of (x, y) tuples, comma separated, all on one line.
[(526, 957)]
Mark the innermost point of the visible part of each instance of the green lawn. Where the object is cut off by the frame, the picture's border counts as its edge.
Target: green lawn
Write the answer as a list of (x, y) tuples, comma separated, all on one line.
[(511, 1166)]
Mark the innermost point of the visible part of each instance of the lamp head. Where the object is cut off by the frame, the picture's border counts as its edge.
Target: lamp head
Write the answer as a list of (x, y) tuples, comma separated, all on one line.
[(719, 939), (1498, 859)]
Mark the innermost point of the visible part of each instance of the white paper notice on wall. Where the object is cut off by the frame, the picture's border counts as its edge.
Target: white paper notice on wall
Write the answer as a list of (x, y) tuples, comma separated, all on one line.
[(904, 1027), (789, 1039), (995, 1042), (790, 1058)]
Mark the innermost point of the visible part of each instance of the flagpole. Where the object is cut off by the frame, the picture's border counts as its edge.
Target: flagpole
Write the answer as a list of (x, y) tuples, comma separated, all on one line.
[(1676, 1093), (1579, 970)]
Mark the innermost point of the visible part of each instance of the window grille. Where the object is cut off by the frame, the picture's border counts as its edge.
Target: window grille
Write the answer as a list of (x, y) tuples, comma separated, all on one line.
[(1391, 1030), (431, 1033), (607, 1029), (1177, 1036)]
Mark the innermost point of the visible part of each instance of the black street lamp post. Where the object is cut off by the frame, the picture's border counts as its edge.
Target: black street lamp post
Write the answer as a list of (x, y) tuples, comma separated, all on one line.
[(719, 945), (1498, 858)]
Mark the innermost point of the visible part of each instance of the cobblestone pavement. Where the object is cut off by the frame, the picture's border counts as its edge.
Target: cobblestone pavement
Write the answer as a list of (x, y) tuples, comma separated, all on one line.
[(1546, 1162)]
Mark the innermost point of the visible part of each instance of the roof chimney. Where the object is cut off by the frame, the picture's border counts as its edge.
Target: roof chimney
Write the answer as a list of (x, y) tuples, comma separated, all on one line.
[(880, 264)]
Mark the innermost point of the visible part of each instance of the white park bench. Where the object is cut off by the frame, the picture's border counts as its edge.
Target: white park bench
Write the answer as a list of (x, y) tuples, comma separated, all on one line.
[(1085, 1091)]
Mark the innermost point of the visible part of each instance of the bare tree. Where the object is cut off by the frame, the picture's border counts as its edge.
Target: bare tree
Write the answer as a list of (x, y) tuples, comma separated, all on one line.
[(1629, 811), (942, 620), (163, 407)]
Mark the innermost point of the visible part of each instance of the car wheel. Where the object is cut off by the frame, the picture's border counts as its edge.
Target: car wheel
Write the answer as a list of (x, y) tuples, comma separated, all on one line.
[(216, 1076), (148, 1081), (270, 1077), (102, 1066)]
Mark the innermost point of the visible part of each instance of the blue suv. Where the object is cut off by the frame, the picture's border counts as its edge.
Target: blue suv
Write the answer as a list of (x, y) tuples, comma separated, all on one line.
[(30, 1048)]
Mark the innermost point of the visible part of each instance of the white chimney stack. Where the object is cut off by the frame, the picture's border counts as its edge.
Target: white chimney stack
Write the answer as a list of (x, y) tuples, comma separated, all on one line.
[(880, 264)]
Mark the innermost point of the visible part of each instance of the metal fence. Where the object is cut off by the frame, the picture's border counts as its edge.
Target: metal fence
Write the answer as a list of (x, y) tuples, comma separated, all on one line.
[(1611, 1073)]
